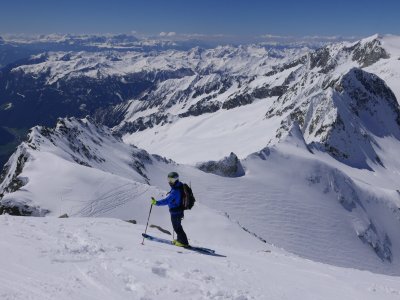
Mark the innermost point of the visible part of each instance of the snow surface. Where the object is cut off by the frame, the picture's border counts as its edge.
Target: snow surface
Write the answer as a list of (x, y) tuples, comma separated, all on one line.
[(338, 225), (326, 212), (303, 203), (242, 130), (245, 130), (81, 258)]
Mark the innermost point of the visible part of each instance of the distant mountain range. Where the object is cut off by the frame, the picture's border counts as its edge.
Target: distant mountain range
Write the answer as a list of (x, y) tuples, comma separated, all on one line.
[(298, 145)]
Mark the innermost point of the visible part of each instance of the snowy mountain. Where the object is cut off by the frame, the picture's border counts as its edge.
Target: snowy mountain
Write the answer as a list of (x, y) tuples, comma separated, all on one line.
[(177, 82), (135, 89), (309, 87), (73, 144), (15, 47), (81, 169), (293, 151), (83, 82)]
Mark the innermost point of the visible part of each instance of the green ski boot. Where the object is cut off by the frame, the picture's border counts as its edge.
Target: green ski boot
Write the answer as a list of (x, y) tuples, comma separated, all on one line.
[(179, 244)]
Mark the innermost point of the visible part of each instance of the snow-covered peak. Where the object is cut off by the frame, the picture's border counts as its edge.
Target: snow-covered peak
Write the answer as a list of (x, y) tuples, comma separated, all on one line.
[(373, 101), (62, 156), (329, 119), (345, 114), (289, 133)]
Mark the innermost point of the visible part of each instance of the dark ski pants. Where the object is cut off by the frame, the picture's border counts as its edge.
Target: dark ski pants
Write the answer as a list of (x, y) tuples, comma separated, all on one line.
[(176, 220)]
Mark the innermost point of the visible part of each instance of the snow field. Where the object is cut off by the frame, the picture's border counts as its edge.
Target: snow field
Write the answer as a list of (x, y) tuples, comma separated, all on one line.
[(84, 258), (304, 203), (242, 130)]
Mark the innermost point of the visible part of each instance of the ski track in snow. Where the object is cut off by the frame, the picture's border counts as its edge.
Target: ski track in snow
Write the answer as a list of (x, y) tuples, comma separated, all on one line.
[(111, 200)]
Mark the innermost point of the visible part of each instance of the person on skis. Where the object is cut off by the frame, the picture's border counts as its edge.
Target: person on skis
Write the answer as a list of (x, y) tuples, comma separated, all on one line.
[(174, 202)]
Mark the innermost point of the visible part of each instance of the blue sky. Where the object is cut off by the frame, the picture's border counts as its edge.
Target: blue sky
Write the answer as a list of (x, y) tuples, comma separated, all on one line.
[(238, 18)]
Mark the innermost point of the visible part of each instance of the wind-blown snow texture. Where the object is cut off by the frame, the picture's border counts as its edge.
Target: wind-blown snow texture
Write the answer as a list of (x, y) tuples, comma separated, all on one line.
[(317, 137), (48, 258)]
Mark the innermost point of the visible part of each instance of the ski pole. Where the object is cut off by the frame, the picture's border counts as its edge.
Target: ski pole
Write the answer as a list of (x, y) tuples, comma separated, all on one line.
[(151, 206)]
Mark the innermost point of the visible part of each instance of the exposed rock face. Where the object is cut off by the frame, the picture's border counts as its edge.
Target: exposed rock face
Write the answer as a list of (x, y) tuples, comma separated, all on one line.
[(9, 180), (202, 107), (78, 142), (345, 191), (342, 112), (76, 95), (322, 59), (136, 91), (104, 83), (369, 53), (143, 123), (382, 248), (229, 166), (111, 117), (348, 116)]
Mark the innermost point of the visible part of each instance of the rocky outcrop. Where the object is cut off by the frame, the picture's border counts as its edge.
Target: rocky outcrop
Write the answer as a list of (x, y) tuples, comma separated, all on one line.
[(229, 166), (72, 141), (202, 107), (347, 194), (144, 123), (323, 60), (342, 113), (11, 181), (368, 53), (350, 115)]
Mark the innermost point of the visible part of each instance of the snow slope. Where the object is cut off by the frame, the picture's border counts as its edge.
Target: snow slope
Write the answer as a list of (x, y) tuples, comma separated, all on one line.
[(80, 258), (307, 204), (344, 111), (338, 206), (321, 90), (321, 213), (242, 130), (75, 168)]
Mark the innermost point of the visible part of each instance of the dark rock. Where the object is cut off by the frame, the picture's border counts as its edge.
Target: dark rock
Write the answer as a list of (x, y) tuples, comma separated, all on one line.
[(15, 183), (381, 248), (18, 209), (131, 221), (267, 92), (202, 107), (238, 100), (144, 123), (229, 166), (369, 53), (322, 59), (112, 115)]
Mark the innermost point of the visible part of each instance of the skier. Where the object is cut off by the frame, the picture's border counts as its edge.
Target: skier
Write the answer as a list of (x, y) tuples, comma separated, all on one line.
[(174, 202)]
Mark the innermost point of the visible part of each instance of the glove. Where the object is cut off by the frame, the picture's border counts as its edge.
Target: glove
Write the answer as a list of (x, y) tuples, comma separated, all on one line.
[(153, 201)]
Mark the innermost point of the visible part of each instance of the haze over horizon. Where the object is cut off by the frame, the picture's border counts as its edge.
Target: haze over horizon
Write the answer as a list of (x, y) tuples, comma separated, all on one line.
[(221, 19)]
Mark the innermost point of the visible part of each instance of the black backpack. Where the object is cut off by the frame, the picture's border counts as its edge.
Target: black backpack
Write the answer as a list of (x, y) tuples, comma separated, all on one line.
[(188, 199)]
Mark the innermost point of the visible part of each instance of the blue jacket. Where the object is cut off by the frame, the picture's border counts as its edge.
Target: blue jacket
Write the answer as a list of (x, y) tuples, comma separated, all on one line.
[(173, 199)]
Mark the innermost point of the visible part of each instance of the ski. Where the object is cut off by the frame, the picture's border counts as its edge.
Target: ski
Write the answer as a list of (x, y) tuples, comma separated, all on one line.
[(201, 250)]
